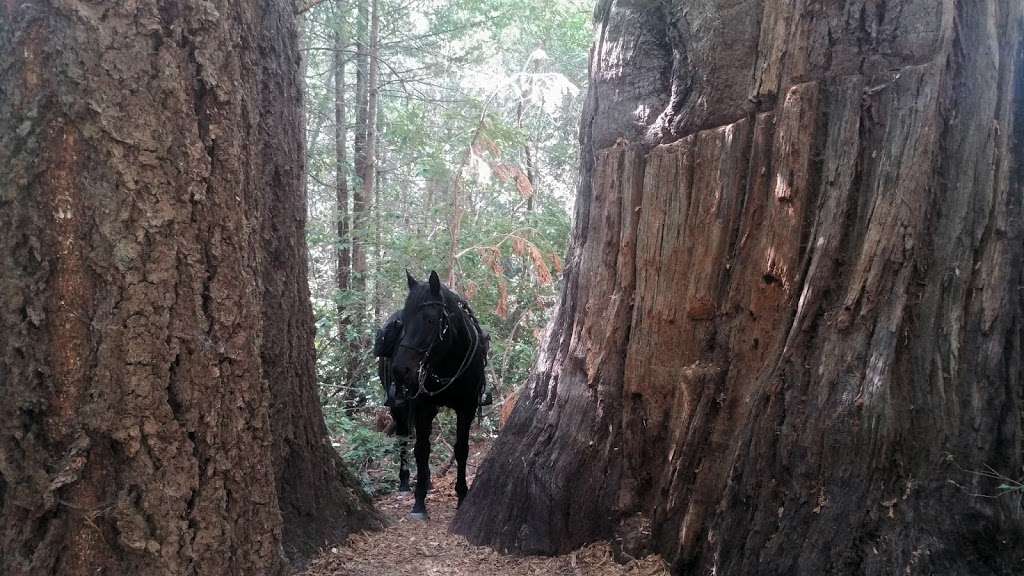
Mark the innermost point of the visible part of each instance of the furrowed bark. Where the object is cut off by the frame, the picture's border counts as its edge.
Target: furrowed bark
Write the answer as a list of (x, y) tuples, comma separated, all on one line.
[(789, 338), (157, 378)]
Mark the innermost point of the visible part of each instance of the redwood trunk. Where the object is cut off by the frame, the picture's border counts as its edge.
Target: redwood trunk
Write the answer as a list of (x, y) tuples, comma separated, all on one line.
[(790, 335), (159, 412)]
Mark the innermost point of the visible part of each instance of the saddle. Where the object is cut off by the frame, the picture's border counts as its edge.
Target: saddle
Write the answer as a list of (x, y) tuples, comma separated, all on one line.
[(388, 337), (384, 344)]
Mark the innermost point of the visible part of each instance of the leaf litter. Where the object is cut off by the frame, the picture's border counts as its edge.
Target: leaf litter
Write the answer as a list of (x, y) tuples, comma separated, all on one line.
[(416, 548)]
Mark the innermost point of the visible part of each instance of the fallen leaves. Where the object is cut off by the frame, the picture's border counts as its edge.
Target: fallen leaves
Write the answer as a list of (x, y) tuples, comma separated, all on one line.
[(415, 548)]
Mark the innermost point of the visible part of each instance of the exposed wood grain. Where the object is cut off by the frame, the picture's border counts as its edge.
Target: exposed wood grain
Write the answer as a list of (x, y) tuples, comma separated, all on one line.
[(825, 328)]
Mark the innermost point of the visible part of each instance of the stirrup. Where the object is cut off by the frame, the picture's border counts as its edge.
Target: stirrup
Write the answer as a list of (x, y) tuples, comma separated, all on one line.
[(486, 399)]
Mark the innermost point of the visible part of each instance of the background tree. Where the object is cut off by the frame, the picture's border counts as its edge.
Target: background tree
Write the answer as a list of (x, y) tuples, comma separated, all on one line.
[(159, 412), (789, 340), (461, 87), (343, 239)]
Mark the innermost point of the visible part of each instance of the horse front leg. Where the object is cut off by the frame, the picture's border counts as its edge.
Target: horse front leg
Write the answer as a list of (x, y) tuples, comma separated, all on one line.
[(424, 422), (465, 420)]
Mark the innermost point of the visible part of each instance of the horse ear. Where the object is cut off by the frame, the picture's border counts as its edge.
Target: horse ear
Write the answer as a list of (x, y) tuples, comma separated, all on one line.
[(410, 280), (435, 283)]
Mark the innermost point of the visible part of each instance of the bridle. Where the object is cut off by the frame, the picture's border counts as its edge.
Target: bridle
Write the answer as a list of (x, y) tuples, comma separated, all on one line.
[(445, 323), (424, 373)]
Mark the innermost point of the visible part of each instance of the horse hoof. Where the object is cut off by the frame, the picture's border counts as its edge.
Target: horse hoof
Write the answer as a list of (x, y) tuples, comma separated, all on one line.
[(405, 488), (421, 516)]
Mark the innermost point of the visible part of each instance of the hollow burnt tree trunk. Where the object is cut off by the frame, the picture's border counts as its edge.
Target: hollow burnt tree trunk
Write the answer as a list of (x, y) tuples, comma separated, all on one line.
[(790, 334), (156, 364)]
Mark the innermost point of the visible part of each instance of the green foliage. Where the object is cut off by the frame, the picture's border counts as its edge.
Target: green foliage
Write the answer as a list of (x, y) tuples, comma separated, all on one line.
[(367, 453), (510, 73)]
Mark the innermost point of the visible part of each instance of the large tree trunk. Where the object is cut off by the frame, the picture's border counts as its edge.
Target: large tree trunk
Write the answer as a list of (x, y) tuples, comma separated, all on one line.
[(159, 412), (790, 334)]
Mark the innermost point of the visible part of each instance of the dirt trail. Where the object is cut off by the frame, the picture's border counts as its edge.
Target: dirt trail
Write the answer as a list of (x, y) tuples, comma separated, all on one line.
[(414, 548)]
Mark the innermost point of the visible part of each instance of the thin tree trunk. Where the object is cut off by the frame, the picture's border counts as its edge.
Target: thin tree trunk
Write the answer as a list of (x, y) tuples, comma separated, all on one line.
[(455, 227), (362, 201), (379, 313), (789, 338), (358, 258), (530, 176), (456, 210), (455, 206), (434, 185), (362, 71), (343, 241), (361, 217), (313, 136), (158, 396), (527, 156)]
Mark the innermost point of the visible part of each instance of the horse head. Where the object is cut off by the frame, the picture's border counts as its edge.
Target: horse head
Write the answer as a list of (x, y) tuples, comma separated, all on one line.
[(429, 331)]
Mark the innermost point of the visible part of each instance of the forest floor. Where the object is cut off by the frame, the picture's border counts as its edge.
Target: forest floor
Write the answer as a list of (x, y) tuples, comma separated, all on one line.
[(415, 548)]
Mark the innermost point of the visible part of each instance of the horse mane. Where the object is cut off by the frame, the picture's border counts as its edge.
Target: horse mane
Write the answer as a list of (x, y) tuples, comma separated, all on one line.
[(464, 308), (454, 296)]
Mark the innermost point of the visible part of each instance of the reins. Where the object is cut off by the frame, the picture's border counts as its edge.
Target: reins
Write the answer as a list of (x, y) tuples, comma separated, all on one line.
[(424, 372)]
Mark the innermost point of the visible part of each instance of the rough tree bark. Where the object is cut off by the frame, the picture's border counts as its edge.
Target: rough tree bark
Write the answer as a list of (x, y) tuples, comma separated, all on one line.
[(790, 333), (159, 414)]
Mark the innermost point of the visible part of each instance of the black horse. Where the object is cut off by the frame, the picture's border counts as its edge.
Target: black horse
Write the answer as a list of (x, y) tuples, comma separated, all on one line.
[(432, 353)]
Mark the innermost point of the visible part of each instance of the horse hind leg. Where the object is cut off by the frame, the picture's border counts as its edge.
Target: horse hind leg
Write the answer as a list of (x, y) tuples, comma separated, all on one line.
[(400, 417)]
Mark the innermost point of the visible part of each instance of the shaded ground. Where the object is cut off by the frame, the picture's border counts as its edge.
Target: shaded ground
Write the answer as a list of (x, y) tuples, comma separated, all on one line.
[(413, 548)]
